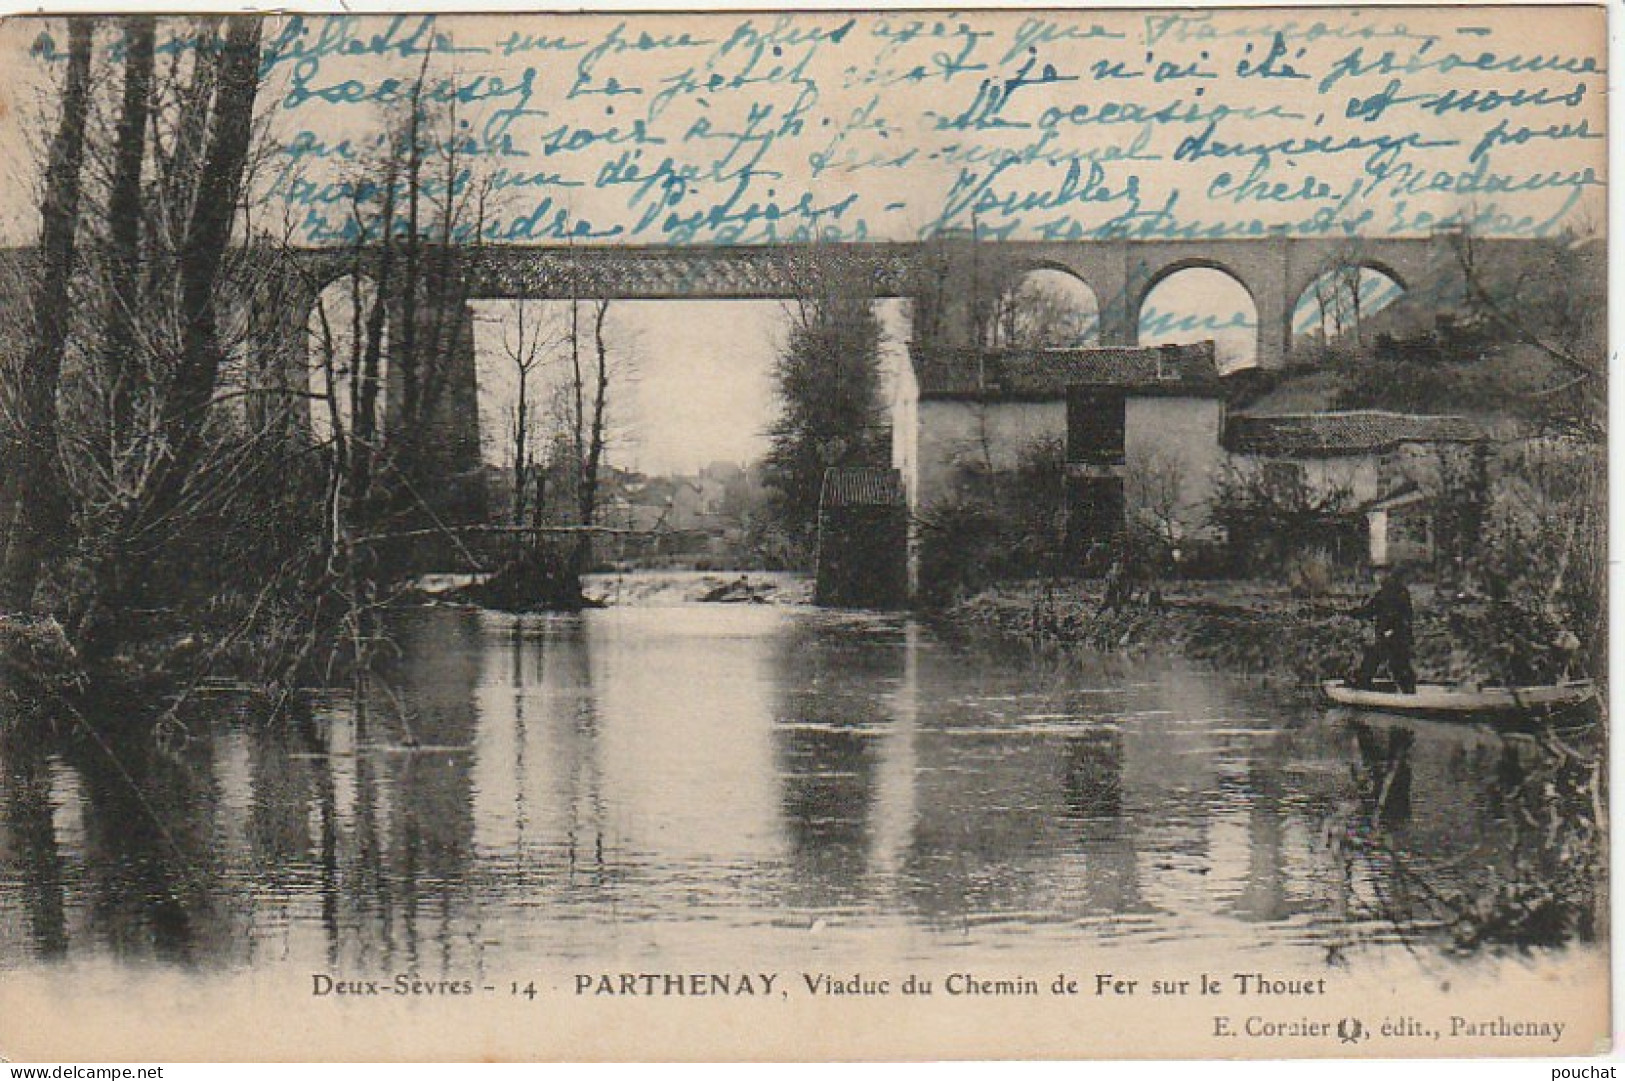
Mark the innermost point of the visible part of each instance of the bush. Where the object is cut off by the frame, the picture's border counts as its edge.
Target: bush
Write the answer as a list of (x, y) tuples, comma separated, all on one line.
[(1309, 573), (38, 666), (1532, 607), (538, 577), (961, 550), (1002, 525), (1271, 518)]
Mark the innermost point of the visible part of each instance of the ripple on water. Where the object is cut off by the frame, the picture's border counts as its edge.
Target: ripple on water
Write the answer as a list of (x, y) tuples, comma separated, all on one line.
[(676, 779)]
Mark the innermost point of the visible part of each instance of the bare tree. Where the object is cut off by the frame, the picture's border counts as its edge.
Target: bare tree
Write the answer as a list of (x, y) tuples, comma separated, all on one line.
[(588, 391), (1270, 513), (526, 343), (124, 213), (386, 358), (1547, 295), (1334, 307), (38, 514), (972, 294), (122, 396), (1154, 482), (184, 403), (1032, 313)]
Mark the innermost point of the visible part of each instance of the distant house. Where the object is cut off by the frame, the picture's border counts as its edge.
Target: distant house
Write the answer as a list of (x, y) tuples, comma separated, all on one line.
[(862, 539), (960, 414), (696, 503), (1385, 463)]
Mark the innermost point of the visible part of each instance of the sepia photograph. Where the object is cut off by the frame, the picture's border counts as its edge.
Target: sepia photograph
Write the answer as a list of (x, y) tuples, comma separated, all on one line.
[(900, 535)]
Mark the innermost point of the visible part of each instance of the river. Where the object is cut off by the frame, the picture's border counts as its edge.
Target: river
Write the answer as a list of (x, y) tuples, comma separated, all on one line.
[(674, 784)]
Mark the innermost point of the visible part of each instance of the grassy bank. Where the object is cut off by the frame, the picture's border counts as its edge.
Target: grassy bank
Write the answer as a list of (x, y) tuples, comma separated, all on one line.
[(1255, 628)]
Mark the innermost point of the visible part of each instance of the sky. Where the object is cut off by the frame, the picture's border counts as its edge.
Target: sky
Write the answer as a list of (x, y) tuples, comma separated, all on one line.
[(694, 379)]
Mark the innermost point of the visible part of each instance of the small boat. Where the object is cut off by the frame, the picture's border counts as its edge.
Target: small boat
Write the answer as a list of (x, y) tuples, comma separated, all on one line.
[(1441, 700)]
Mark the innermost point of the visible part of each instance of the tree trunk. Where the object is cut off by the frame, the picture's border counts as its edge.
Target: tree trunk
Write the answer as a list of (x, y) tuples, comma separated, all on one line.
[(521, 448), (588, 503), (408, 352), (208, 234), (124, 228), (120, 573), (368, 377), (39, 519)]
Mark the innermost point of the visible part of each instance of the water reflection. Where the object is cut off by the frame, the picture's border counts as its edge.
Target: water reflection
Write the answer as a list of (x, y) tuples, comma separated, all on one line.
[(93, 861), (667, 783), (1093, 790), (37, 901)]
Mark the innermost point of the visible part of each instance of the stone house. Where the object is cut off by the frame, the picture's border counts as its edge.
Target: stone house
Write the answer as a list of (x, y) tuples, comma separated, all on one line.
[(961, 415), (1364, 451), (1400, 527), (1145, 432), (1388, 465)]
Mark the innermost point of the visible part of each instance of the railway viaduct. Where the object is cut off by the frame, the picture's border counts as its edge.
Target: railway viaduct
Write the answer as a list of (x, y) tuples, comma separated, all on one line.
[(1275, 272)]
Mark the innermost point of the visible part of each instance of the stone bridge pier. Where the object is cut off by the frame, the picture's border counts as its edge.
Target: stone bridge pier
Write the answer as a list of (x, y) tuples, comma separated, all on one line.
[(447, 379), (430, 377)]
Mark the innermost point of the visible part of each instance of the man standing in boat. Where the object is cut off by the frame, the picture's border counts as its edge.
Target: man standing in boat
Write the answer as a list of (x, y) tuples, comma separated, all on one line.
[(1390, 607)]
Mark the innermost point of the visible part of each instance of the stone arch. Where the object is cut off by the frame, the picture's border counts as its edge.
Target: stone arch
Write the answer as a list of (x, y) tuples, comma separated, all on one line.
[(1238, 333), (1050, 305), (1193, 262), (1410, 261), (1337, 297)]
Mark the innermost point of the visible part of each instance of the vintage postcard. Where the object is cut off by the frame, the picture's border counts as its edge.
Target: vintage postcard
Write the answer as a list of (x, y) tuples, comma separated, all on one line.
[(878, 534)]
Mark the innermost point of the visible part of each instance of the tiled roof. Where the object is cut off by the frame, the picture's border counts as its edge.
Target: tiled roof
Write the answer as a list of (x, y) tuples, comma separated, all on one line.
[(1331, 434), (861, 486), (1046, 373)]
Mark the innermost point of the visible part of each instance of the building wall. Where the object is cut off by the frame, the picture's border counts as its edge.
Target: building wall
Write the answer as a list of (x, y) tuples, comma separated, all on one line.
[(861, 559), (1183, 433), (955, 437), (905, 430), (1372, 475), (1362, 474), (937, 445), (939, 441)]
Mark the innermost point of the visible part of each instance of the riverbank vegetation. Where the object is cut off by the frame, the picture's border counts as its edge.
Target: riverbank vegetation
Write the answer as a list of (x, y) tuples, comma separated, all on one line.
[(1522, 606), (831, 414), (201, 487)]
